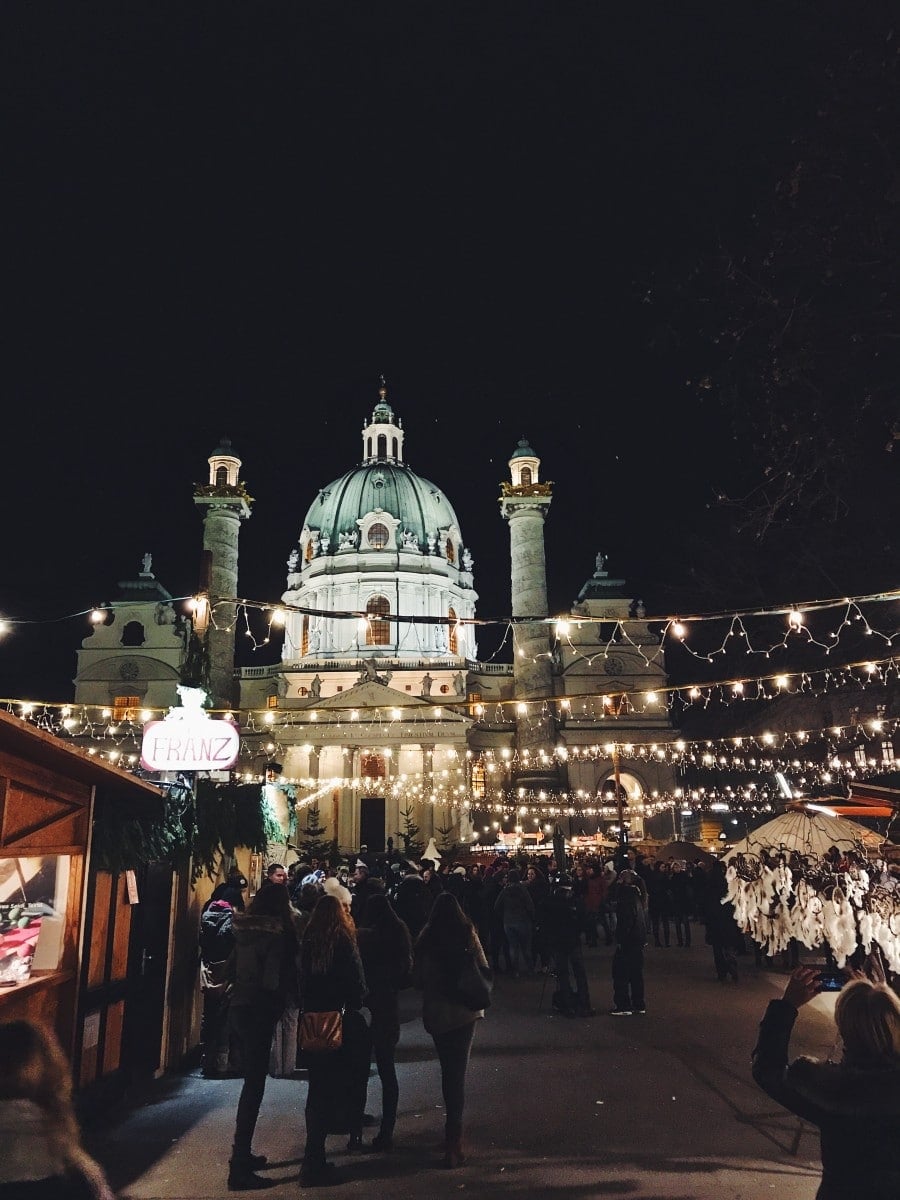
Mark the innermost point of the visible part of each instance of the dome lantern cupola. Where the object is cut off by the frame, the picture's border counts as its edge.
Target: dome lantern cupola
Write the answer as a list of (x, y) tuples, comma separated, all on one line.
[(383, 435), (524, 465), (224, 465)]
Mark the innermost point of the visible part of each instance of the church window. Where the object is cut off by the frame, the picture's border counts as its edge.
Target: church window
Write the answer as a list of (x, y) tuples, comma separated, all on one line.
[(368, 447), (478, 783), (309, 550), (133, 634), (304, 635), (887, 753), (221, 476), (526, 477), (271, 701), (393, 447), (124, 707), (409, 687), (378, 536), (378, 631), (302, 691), (450, 551), (372, 766), (445, 688), (339, 688), (382, 445), (453, 633)]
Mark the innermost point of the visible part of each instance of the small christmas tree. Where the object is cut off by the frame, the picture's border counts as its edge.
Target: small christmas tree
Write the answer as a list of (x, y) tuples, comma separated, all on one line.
[(412, 846), (448, 838), (311, 840)]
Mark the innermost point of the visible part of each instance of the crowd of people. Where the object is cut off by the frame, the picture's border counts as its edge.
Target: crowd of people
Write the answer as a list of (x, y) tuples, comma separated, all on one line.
[(315, 938)]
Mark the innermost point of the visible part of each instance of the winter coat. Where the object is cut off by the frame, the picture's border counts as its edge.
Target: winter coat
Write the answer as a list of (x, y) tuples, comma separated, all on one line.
[(559, 921), (631, 920), (440, 1013), (216, 932), (514, 905), (262, 966), (342, 986), (856, 1109)]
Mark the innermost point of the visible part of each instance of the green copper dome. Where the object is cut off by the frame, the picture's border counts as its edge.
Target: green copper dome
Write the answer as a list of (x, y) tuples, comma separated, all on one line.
[(523, 450), (419, 506)]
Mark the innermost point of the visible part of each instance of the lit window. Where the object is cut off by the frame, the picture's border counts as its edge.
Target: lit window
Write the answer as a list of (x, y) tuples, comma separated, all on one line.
[(221, 476), (887, 752), (526, 477), (372, 766), (378, 632), (454, 638), (309, 551), (378, 536), (124, 707), (445, 688), (478, 787), (304, 635), (271, 701), (450, 551)]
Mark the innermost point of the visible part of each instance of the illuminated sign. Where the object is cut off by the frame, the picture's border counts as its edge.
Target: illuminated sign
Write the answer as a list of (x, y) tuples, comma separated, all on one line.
[(202, 744)]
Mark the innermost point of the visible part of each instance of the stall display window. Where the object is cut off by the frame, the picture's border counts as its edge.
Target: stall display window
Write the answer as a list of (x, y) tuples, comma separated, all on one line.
[(33, 895)]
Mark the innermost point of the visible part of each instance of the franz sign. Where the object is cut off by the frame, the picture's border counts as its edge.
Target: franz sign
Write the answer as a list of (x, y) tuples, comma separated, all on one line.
[(188, 739)]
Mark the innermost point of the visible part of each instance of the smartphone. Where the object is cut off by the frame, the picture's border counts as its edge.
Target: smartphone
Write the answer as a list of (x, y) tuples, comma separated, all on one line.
[(831, 981)]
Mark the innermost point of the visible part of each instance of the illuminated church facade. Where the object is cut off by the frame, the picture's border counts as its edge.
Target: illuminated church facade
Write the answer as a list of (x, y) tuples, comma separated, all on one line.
[(379, 711)]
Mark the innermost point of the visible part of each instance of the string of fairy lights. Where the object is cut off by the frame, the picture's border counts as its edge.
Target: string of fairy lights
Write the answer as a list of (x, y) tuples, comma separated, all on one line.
[(809, 756)]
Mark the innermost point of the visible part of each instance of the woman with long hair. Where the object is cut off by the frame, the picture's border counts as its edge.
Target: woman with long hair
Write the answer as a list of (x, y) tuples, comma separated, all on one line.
[(263, 974), (332, 980), (42, 1157), (386, 950), (440, 954)]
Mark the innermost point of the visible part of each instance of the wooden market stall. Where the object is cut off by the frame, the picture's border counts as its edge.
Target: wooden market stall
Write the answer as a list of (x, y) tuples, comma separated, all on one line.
[(67, 946)]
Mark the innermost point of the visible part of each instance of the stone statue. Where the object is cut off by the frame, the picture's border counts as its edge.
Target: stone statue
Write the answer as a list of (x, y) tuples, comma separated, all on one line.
[(165, 614), (440, 638), (640, 609), (459, 683), (314, 638), (427, 684), (467, 560), (325, 541), (600, 563), (315, 687), (293, 559), (432, 542), (410, 541), (147, 562)]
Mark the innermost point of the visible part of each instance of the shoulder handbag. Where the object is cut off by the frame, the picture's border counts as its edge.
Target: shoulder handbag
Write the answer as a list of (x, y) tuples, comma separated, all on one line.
[(474, 983), (321, 1032)]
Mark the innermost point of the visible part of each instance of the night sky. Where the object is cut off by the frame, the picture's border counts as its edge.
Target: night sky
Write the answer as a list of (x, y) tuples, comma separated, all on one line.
[(230, 219)]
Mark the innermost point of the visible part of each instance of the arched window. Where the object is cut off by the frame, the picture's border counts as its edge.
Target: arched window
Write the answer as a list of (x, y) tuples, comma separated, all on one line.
[(378, 536), (309, 550), (453, 639), (393, 447), (133, 634), (450, 551), (382, 445), (526, 477), (304, 635), (378, 632), (221, 476), (478, 781), (368, 447)]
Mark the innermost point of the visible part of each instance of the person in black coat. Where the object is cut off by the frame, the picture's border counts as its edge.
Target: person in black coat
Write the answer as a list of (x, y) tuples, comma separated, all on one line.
[(331, 980), (631, 938), (854, 1102), (562, 927), (216, 942), (722, 930), (385, 947)]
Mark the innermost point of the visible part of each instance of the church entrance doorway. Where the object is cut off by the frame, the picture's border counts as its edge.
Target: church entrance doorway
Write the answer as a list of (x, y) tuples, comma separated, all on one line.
[(371, 823)]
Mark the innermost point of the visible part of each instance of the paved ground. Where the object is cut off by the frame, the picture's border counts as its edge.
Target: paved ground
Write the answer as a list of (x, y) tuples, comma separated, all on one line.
[(633, 1107)]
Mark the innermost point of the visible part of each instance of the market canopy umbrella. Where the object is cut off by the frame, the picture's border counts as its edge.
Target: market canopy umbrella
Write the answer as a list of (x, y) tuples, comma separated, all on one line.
[(687, 851), (808, 833)]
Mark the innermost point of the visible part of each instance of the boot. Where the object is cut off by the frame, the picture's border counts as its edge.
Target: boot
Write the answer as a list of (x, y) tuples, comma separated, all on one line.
[(242, 1178), (453, 1151)]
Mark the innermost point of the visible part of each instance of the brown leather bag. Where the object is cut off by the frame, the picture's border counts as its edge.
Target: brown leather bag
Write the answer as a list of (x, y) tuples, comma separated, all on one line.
[(321, 1032)]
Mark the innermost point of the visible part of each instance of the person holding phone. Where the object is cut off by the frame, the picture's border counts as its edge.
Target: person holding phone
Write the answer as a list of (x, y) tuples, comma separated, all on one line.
[(855, 1103)]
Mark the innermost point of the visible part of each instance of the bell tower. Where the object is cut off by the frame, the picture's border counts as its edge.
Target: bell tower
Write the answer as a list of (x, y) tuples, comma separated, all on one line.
[(224, 503), (524, 503)]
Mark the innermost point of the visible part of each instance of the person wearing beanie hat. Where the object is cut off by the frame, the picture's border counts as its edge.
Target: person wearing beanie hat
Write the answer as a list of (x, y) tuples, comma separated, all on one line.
[(333, 887)]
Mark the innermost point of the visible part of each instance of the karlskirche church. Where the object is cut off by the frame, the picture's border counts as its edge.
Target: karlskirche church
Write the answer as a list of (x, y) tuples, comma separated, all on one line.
[(379, 711)]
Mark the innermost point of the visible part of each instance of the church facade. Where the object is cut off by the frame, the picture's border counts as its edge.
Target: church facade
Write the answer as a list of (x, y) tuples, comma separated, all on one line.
[(379, 711)]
